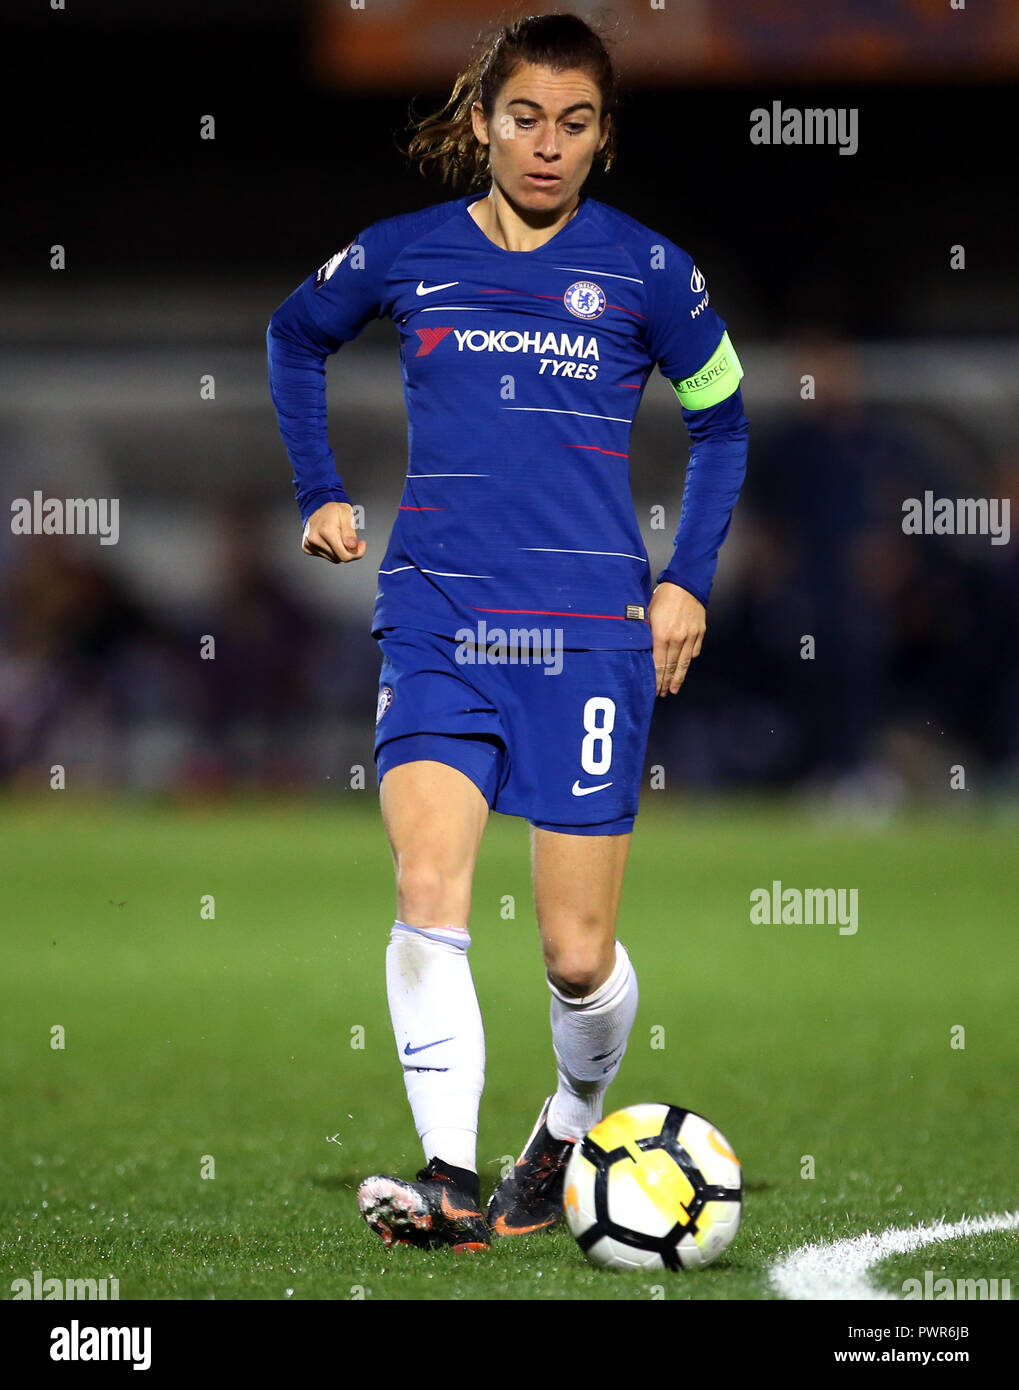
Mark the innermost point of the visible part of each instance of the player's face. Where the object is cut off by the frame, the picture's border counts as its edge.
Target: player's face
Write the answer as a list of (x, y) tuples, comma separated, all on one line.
[(544, 132)]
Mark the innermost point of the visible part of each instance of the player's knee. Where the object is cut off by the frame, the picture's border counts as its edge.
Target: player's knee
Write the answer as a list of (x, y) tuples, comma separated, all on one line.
[(427, 896), (580, 969)]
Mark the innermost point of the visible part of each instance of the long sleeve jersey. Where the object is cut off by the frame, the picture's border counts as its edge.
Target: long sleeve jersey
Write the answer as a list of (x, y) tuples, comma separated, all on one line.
[(522, 375)]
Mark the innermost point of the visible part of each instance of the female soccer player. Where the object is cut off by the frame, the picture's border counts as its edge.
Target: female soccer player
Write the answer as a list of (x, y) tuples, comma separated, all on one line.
[(521, 645)]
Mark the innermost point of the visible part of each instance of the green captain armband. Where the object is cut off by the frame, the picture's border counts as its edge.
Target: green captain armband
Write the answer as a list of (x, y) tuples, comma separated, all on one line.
[(716, 380)]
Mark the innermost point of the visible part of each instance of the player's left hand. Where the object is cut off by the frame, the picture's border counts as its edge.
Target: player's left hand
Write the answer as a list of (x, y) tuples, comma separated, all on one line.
[(678, 623)]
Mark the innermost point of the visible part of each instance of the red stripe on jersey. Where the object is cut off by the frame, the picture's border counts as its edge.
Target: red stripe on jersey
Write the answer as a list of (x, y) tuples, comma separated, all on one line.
[(421, 509), (597, 448), (624, 310), (552, 613)]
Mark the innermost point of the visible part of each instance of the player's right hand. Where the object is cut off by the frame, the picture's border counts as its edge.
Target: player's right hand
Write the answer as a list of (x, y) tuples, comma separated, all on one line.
[(329, 533)]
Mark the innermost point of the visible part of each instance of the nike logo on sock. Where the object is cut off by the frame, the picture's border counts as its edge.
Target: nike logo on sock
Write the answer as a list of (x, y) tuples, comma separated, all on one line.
[(409, 1051)]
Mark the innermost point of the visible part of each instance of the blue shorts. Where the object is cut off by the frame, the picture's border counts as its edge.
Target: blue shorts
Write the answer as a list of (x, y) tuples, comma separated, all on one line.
[(565, 750)]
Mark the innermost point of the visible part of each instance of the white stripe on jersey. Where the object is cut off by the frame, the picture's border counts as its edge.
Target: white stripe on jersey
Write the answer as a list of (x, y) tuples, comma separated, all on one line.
[(547, 410), (443, 574), (599, 274), (447, 475), (552, 549)]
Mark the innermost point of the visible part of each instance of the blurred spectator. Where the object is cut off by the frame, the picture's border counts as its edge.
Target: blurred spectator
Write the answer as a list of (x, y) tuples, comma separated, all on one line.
[(915, 638)]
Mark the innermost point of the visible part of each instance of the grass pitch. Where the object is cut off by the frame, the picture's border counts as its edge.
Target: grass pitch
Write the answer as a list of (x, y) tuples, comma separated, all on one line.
[(255, 1044)]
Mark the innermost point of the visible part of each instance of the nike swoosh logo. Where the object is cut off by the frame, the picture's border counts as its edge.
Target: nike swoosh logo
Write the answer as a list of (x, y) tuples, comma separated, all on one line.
[(578, 790), (432, 288), (455, 1213), (503, 1228), (409, 1051)]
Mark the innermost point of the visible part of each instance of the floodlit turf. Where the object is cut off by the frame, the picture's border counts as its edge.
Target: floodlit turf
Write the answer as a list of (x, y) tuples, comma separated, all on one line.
[(235, 1041), (991, 1258)]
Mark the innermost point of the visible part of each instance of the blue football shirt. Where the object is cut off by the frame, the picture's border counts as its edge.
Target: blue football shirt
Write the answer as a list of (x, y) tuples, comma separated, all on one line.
[(522, 375)]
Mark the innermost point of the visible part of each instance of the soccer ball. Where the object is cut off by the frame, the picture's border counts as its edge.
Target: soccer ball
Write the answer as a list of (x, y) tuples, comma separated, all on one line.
[(653, 1187)]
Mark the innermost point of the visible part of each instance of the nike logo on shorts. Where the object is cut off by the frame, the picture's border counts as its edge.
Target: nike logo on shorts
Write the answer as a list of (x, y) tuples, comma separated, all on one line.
[(578, 790)]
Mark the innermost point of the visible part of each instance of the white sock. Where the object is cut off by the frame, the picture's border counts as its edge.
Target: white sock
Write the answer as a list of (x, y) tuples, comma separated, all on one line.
[(439, 1037), (589, 1036)]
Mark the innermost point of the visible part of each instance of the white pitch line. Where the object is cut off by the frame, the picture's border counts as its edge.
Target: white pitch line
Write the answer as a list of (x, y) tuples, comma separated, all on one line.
[(838, 1269)]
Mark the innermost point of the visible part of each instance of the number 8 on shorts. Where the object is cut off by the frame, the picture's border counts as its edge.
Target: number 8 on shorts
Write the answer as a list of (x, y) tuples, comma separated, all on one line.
[(596, 748)]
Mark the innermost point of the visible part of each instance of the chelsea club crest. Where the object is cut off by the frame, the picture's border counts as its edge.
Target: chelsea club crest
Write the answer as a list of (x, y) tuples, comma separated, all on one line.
[(585, 299)]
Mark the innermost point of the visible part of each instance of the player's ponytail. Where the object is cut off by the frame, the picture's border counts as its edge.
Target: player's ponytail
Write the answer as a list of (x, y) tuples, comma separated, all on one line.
[(445, 144)]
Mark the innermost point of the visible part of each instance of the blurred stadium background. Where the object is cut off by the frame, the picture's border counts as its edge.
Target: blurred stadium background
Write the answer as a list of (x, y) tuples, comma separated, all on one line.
[(179, 248)]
